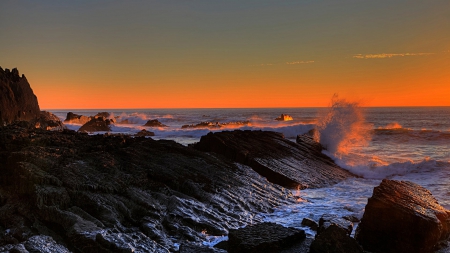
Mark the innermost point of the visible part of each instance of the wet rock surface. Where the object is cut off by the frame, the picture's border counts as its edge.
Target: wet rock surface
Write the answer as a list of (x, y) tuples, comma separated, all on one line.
[(105, 193), (281, 161), (76, 118), (402, 217), (263, 237), (144, 132), (284, 117), (17, 100), (49, 121)]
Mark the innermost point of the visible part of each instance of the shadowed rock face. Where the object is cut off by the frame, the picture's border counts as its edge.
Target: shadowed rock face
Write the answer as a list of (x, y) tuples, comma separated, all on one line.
[(96, 124), (17, 100), (281, 161), (402, 217), (116, 193)]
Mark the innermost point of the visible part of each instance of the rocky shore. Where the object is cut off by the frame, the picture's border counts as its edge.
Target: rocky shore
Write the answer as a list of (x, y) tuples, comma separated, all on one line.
[(67, 191)]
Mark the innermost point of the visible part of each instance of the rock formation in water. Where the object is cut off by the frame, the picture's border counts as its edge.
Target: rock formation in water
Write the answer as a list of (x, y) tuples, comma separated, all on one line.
[(207, 124), (144, 133), (118, 193), (17, 100), (96, 124), (154, 123), (49, 121), (281, 161), (73, 118), (284, 117), (402, 217)]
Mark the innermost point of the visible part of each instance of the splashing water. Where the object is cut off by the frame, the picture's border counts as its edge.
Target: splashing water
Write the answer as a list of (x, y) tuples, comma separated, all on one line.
[(342, 127)]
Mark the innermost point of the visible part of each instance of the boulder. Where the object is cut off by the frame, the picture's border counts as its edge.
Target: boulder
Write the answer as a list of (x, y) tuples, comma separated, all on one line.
[(73, 118), (402, 216), (154, 123), (310, 223), (96, 125), (17, 100), (284, 117), (333, 236), (49, 121), (283, 162), (263, 237)]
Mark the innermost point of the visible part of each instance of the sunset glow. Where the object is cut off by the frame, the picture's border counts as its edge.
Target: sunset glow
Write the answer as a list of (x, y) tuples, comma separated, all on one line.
[(203, 54)]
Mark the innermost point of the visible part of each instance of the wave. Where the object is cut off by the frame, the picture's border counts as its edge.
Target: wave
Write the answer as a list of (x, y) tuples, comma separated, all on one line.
[(375, 168), (342, 127)]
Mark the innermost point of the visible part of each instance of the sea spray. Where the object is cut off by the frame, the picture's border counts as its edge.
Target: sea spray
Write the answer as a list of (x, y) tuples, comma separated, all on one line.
[(342, 127)]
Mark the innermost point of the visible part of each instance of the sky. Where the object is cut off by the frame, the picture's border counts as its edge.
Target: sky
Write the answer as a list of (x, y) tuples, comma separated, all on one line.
[(227, 53)]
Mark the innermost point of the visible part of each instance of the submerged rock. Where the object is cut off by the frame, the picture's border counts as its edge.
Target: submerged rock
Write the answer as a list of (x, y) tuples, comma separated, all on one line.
[(281, 161), (154, 123), (144, 132), (284, 117), (264, 237), (17, 100), (402, 216)]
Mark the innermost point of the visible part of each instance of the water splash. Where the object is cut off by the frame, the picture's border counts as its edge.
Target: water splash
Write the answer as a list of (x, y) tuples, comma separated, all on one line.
[(342, 127)]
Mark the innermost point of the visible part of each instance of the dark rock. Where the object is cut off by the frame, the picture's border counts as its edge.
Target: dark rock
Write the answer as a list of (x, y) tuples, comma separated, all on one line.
[(100, 193), (402, 217), (281, 161), (284, 117), (44, 244), (96, 125), (310, 223), (222, 245), (49, 121), (207, 124), (76, 119), (144, 132), (17, 100), (189, 248), (264, 237), (154, 123), (102, 114), (333, 236)]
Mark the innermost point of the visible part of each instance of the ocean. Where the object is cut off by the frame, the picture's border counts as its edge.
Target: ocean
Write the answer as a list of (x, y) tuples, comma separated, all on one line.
[(402, 143)]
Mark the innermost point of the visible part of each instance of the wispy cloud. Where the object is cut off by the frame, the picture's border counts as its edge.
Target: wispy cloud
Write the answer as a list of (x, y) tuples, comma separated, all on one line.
[(299, 62), (382, 56)]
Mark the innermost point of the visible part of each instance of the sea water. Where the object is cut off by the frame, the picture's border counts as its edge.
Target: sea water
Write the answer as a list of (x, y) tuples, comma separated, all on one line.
[(402, 143)]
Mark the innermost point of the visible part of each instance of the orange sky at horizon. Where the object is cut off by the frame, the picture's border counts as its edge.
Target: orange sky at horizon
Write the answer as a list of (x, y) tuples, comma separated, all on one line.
[(226, 54)]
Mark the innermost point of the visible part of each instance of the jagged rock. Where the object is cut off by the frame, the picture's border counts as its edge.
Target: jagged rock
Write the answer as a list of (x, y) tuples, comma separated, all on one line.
[(207, 124), (281, 161), (102, 114), (144, 132), (154, 123), (333, 236), (44, 244), (99, 193), (402, 216), (49, 121), (76, 119), (263, 237), (96, 125), (17, 100), (284, 117), (310, 223)]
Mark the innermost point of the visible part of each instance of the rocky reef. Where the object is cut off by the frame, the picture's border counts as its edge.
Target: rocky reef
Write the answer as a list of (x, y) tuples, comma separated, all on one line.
[(283, 162), (207, 124), (17, 100)]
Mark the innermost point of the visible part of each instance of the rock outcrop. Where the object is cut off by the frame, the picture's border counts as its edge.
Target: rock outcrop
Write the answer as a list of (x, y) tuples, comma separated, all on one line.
[(96, 124), (17, 100), (154, 123), (100, 193), (284, 117), (144, 133), (49, 121), (281, 161), (402, 217), (73, 118), (264, 237), (213, 125)]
